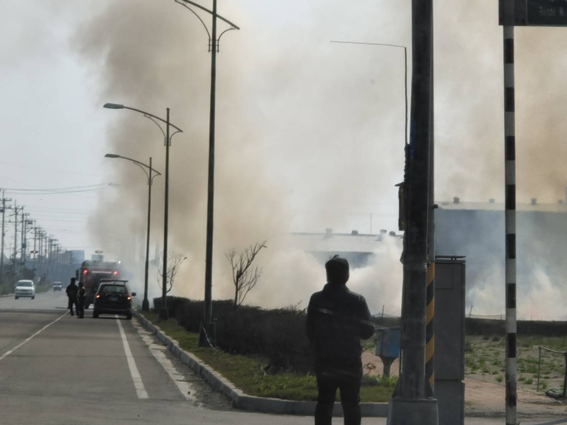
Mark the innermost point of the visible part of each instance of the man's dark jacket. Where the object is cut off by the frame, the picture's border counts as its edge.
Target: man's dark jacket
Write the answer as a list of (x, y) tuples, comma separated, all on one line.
[(72, 291), (336, 321)]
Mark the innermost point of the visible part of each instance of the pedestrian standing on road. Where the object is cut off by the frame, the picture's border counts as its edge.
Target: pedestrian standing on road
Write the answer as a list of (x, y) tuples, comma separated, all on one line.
[(72, 295), (81, 295), (336, 321)]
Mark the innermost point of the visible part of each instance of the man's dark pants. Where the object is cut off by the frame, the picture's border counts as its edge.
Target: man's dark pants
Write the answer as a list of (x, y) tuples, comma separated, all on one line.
[(342, 374), (81, 307), (73, 302)]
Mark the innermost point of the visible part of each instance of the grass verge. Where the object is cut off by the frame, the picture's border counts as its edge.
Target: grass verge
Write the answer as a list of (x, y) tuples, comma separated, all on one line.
[(246, 372)]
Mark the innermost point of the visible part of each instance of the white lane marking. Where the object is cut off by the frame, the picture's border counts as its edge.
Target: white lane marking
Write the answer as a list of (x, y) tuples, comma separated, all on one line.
[(138, 384), (7, 353), (183, 386)]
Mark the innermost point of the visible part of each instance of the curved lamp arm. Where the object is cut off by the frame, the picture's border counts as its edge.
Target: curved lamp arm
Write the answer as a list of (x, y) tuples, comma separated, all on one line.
[(153, 116), (221, 34), (143, 166), (210, 12), (198, 17), (118, 106), (171, 137), (156, 123)]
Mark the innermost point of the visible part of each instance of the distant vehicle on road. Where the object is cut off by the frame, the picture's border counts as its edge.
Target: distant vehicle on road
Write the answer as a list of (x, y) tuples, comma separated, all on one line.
[(25, 288), (91, 274), (57, 286), (113, 297)]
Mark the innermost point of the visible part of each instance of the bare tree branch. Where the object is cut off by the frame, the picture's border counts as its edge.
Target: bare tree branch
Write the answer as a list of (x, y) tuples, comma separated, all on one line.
[(174, 261), (245, 276)]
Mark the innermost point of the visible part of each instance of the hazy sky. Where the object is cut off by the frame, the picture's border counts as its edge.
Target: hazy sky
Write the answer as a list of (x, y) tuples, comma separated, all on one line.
[(53, 132)]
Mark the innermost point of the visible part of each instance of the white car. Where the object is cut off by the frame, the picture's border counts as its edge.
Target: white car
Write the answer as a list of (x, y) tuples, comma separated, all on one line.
[(25, 288)]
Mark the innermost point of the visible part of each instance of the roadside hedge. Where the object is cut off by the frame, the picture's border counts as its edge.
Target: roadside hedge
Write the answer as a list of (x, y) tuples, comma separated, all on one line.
[(277, 335)]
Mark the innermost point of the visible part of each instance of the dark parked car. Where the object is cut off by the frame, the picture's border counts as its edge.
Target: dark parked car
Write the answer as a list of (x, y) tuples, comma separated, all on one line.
[(113, 297)]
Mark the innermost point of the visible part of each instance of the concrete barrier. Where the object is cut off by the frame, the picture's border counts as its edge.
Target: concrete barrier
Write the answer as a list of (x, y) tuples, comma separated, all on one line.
[(243, 401)]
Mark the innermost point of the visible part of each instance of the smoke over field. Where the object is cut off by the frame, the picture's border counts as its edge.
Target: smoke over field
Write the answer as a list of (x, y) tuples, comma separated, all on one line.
[(308, 132)]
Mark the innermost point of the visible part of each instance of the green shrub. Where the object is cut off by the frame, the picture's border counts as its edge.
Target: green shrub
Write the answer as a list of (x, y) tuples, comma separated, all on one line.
[(498, 378), (529, 381), (277, 335)]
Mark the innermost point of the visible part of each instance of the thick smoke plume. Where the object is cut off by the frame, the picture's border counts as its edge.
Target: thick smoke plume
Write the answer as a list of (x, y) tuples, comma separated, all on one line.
[(306, 128)]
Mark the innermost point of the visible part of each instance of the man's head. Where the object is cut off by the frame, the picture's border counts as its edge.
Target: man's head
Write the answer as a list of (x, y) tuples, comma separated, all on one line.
[(337, 270), (73, 280)]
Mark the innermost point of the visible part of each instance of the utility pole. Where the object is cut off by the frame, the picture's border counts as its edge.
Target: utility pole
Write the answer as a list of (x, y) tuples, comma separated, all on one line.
[(25, 229), (34, 244), (412, 402), (36, 269), (3, 234), (23, 241), (430, 282), (15, 237)]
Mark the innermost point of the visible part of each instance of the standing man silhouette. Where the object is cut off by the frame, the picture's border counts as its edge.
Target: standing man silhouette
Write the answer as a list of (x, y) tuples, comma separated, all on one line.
[(81, 295), (72, 295), (336, 321)]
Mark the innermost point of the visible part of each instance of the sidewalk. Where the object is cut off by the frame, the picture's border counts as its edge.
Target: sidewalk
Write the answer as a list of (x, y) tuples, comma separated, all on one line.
[(468, 421)]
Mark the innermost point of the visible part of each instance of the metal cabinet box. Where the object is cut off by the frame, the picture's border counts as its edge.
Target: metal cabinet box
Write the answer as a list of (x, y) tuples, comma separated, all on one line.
[(450, 339), (388, 342)]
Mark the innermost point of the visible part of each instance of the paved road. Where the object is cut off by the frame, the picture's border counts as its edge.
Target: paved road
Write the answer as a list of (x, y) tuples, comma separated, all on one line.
[(56, 369)]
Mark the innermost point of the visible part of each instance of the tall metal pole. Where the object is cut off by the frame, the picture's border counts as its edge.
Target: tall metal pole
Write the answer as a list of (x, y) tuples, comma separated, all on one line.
[(510, 214), (23, 240), (410, 403), (3, 231), (430, 282), (430, 291), (34, 243), (164, 314), (207, 324), (15, 237), (145, 302)]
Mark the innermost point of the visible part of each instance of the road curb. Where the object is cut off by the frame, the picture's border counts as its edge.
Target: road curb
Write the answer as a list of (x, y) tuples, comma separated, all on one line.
[(239, 399)]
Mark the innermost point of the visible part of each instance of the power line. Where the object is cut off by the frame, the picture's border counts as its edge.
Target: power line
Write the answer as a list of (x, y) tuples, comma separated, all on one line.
[(46, 169), (59, 188)]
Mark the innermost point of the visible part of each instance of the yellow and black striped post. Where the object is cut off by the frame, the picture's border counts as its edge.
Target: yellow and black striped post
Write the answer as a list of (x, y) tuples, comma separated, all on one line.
[(429, 326)]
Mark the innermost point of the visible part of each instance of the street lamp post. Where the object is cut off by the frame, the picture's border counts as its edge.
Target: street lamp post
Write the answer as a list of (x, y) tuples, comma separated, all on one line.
[(163, 312), (148, 170), (206, 334)]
